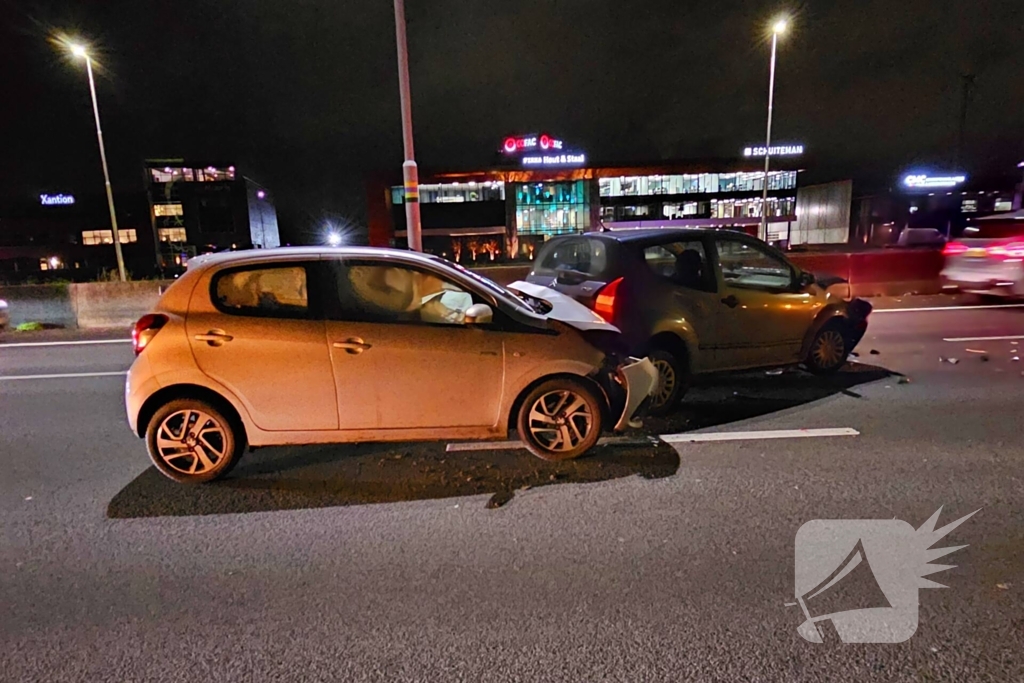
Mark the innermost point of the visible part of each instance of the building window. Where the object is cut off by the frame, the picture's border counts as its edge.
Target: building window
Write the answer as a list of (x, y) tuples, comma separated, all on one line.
[(172, 235), (211, 174), (552, 208), (167, 209), (1003, 205), (969, 206), (171, 175), (52, 263), (711, 183), (450, 193), (94, 237)]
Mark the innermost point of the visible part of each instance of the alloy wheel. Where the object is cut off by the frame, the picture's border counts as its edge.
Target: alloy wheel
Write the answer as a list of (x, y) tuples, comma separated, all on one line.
[(191, 441), (560, 420), (666, 383), (829, 349)]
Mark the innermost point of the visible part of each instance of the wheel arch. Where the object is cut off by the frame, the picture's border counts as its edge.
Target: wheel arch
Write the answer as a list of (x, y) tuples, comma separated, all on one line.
[(678, 344), (827, 315), (193, 391)]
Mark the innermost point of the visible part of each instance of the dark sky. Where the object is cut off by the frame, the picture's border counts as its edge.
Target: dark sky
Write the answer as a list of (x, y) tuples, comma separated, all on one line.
[(303, 94)]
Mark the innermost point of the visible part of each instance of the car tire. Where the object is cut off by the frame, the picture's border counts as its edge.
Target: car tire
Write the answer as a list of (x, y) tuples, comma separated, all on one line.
[(561, 419), (673, 381), (829, 349), (192, 441)]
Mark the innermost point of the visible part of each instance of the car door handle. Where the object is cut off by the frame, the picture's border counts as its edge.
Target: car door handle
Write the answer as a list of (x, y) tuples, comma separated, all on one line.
[(354, 345), (214, 337), (731, 301)]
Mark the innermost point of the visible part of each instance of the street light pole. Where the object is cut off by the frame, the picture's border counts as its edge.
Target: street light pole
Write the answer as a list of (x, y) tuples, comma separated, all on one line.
[(410, 174), (780, 27), (80, 51)]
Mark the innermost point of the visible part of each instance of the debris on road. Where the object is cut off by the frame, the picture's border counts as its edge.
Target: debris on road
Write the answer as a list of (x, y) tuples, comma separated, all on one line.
[(903, 380), (984, 358), (1015, 359), (951, 361), (1003, 586)]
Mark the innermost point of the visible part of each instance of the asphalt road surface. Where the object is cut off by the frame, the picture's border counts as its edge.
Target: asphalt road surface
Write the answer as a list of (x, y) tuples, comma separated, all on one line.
[(645, 562)]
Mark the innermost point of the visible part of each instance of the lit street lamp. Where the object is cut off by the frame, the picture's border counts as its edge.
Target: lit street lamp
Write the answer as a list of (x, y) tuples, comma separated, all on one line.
[(778, 29), (79, 51)]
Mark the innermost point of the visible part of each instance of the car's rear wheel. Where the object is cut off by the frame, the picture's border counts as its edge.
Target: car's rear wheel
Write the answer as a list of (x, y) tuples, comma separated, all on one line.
[(673, 381), (193, 442), (829, 349), (560, 419)]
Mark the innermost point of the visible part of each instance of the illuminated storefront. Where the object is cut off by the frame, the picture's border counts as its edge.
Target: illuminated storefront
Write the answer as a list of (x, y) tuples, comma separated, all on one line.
[(539, 186)]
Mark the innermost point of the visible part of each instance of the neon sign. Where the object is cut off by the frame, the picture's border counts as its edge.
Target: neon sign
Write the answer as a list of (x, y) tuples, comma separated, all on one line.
[(925, 181), (775, 151), (555, 160), (56, 199), (524, 143)]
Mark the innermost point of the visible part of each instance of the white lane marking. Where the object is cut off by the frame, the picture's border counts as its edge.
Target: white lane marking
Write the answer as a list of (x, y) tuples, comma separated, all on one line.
[(516, 445), (944, 308), (753, 436), (67, 375), (982, 339), (66, 343)]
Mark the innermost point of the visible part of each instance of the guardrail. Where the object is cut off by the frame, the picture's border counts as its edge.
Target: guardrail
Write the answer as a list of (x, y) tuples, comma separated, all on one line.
[(885, 272)]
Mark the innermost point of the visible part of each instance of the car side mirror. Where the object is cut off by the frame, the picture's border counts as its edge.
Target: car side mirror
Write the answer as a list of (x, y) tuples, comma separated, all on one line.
[(479, 314), (805, 280)]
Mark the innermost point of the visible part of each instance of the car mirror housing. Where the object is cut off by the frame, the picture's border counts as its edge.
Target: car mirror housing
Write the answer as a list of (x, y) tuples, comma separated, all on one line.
[(805, 279), (479, 314)]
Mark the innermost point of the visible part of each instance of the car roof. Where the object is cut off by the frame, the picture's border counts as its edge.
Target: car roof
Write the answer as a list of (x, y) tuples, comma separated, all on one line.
[(651, 236), (246, 256)]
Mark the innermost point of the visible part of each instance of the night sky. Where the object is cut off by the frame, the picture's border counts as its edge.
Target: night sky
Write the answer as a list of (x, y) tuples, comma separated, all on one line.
[(303, 94)]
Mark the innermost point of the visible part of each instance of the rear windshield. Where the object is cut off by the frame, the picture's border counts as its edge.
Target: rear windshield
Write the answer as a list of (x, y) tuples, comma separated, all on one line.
[(995, 230), (580, 254)]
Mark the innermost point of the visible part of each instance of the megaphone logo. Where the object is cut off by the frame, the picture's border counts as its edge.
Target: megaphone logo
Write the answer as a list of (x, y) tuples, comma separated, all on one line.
[(857, 580)]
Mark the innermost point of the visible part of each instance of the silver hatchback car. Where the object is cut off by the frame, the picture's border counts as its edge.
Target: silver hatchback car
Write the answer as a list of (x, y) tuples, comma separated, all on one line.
[(312, 345)]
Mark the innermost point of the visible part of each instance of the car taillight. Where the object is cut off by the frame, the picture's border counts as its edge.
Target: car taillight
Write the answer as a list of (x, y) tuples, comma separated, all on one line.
[(1011, 250), (145, 329), (954, 248), (604, 303)]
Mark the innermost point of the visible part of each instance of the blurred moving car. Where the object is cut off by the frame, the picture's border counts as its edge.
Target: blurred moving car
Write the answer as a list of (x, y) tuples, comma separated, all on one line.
[(702, 300), (988, 259), (310, 345), (5, 315)]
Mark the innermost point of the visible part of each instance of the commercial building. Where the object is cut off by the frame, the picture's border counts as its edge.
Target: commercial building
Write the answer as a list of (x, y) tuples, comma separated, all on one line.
[(537, 186), (184, 209), (942, 204)]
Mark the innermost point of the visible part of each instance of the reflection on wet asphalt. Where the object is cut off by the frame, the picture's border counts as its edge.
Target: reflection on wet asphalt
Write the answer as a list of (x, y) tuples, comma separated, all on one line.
[(288, 478)]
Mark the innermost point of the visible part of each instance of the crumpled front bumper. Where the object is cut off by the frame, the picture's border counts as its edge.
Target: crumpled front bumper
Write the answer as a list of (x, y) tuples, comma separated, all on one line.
[(639, 378)]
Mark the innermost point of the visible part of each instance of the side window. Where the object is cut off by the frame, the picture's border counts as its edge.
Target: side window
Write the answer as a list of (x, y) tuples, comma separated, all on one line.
[(683, 263), (748, 265), (263, 291), (386, 293)]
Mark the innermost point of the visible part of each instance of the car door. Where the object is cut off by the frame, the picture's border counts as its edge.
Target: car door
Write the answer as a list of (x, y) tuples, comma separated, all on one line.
[(762, 315), (257, 330), (681, 291), (398, 339)]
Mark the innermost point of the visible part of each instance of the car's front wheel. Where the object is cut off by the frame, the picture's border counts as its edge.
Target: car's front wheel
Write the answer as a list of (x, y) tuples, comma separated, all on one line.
[(560, 419), (192, 442), (829, 349)]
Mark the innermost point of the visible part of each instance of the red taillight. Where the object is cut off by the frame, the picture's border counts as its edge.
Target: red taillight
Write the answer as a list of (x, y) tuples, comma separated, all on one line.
[(604, 303), (1011, 250), (145, 329), (954, 248)]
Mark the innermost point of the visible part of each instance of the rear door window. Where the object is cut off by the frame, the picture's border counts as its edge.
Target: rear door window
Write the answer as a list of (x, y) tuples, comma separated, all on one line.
[(683, 263), (275, 291)]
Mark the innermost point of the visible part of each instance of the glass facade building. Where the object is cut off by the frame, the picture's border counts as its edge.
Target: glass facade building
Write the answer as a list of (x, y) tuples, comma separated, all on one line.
[(522, 207)]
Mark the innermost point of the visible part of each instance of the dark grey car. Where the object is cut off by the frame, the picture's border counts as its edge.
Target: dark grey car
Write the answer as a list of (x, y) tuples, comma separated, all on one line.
[(702, 300)]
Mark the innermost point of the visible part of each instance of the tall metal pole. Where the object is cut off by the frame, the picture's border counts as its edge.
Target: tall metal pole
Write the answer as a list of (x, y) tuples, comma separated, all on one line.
[(768, 140), (410, 174), (106, 173)]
